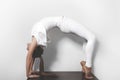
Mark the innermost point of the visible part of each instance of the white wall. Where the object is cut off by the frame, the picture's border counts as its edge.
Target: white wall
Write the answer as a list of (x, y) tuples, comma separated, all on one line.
[(100, 16)]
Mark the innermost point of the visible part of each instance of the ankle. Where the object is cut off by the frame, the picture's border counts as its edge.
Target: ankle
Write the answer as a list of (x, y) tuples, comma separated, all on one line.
[(88, 69), (83, 63)]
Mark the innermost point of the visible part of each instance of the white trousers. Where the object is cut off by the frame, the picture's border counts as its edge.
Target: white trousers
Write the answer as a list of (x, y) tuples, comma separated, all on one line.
[(68, 25)]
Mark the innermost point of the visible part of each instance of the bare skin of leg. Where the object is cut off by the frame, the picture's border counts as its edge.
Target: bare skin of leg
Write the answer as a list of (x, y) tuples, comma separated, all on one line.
[(29, 59), (86, 70)]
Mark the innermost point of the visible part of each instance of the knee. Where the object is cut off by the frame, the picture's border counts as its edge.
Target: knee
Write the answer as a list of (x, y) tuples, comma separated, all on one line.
[(92, 38)]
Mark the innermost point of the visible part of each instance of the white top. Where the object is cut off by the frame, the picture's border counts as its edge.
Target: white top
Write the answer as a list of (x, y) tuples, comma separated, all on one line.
[(39, 32)]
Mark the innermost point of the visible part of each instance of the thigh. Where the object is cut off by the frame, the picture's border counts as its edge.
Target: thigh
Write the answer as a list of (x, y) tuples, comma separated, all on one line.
[(73, 26)]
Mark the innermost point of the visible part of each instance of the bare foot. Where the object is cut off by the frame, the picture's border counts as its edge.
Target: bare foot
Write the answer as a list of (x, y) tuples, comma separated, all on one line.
[(86, 70)]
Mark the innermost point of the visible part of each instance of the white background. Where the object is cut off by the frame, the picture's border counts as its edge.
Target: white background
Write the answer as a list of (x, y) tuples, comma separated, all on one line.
[(65, 51)]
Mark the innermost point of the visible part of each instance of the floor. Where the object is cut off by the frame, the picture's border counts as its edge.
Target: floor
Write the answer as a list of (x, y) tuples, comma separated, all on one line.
[(64, 76)]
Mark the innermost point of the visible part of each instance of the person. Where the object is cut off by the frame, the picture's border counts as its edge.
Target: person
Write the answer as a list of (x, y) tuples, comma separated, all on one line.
[(67, 25)]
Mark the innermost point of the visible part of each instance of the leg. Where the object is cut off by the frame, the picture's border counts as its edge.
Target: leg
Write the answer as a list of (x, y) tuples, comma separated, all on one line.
[(86, 65), (81, 31), (29, 56), (89, 50)]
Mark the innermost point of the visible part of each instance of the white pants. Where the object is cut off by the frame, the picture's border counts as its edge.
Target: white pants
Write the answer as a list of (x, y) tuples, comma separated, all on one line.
[(68, 25)]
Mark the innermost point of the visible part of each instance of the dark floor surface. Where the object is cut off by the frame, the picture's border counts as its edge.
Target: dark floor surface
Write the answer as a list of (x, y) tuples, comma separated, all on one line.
[(64, 76)]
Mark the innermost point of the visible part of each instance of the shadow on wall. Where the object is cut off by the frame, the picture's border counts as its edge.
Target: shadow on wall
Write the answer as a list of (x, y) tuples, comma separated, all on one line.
[(56, 35), (94, 53)]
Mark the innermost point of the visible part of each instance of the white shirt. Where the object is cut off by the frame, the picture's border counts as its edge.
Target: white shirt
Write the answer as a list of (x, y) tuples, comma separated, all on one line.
[(39, 32)]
